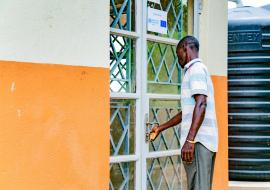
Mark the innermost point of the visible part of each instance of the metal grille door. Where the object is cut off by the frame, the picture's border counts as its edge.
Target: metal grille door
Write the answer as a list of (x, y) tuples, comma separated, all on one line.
[(145, 81)]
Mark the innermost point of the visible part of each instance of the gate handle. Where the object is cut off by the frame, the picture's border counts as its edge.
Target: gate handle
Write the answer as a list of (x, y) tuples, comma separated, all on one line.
[(148, 127)]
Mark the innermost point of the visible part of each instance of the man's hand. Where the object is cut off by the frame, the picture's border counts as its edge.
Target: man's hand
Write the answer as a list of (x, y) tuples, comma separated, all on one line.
[(154, 133), (159, 128), (187, 152)]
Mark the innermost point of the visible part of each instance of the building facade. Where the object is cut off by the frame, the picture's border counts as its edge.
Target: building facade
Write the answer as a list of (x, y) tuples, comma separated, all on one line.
[(79, 81)]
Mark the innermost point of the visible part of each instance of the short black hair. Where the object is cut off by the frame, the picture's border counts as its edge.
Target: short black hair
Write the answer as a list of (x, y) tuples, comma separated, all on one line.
[(191, 41)]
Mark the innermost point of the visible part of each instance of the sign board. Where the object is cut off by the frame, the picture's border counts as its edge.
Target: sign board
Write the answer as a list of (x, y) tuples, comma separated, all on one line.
[(155, 1), (157, 21)]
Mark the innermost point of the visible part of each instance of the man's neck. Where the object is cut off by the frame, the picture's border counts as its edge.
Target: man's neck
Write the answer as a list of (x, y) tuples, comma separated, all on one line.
[(191, 57)]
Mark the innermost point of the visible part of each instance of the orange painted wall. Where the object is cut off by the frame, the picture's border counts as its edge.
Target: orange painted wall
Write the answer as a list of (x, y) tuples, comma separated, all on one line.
[(54, 127), (221, 166)]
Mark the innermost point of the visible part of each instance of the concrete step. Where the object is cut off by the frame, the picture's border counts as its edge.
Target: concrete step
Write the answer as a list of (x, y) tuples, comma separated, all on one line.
[(244, 185)]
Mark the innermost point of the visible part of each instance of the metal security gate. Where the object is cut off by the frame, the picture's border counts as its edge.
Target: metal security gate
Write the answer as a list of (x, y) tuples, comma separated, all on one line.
[(145, 87)]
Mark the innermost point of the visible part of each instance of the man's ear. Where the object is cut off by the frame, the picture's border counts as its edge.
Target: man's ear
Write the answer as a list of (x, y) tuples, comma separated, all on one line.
[(188, 49), (185, 49)]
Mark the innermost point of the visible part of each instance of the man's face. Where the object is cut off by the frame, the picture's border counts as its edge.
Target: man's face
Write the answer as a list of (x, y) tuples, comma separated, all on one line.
[(182, 56)]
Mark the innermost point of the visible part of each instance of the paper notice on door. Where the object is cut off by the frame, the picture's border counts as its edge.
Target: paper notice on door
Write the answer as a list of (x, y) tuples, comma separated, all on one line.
[(155, 1), (157, 21)]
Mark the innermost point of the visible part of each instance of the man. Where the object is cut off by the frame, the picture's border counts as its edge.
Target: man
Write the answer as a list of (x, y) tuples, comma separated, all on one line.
[(198, 132)]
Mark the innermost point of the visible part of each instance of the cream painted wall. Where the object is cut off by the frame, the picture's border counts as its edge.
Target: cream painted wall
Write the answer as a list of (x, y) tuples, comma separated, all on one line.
[(190, 17), (71, 32), (213, 36)]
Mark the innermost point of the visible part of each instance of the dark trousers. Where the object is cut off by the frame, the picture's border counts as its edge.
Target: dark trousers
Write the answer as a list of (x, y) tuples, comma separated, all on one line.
[(200, 171)]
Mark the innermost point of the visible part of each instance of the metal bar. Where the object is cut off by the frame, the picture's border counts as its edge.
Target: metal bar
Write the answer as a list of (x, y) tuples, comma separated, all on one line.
[(162, 40), (173, 67), (249, 57), (161, 135), (250, 114), (129, 65), (123, 167), (249, 80), (150, 180), (164, 96), (174, 165), (166, 69), (124, 33), (123, 87), (244, 43), (111, 185), (249, 148), (249, 69), (158, 154), (248, 91), (116, 13), (150, 58), (127, 144), (246, 31), (162, 168), (161, 63), (165, 83), (120, 95), (149, 172), (114, 52), (120, 80), (249, 137), (129, 12), (112, 143), (125, 182), (122, 71), (124, 158), (123, 53), (177, 20), (117, 19), (249, 102), (248, 125), (114, 115), (144, 100), (266, 34), (138, 125), (250, 171), (249, 159)]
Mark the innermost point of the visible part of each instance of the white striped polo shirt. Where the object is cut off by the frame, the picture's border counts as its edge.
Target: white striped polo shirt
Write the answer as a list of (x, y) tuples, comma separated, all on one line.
[(196, 80)]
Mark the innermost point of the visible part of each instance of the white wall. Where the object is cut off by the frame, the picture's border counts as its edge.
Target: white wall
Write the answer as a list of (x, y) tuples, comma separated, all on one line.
[(213, 36), (71, 32)]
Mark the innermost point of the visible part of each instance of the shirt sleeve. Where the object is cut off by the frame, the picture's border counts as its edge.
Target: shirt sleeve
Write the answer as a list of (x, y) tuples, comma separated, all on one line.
[(198, 81)]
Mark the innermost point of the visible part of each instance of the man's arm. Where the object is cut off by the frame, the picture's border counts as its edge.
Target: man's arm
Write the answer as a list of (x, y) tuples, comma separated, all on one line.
[(172, 122), (197, 119)]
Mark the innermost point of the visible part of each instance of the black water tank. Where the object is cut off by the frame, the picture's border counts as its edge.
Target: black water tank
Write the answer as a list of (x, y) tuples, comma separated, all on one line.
[(249, 94)]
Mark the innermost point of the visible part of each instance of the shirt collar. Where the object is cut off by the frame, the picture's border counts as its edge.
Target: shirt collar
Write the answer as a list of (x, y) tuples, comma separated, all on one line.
[(189, 64)]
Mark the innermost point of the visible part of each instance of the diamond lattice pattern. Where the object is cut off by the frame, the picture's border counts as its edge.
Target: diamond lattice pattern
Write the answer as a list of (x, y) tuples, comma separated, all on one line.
[(121, 64), (164, 173)]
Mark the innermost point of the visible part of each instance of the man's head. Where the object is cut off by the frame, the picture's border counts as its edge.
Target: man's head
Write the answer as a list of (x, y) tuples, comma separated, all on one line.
[(187, 49)]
